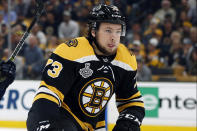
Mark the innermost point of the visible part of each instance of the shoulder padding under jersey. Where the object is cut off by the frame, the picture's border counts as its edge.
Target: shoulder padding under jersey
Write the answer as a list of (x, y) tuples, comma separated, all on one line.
[(125, 57), (75, 49)]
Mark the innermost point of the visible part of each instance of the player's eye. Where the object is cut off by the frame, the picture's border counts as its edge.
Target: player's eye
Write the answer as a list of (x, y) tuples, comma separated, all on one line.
[(118, 32), (108, 31)]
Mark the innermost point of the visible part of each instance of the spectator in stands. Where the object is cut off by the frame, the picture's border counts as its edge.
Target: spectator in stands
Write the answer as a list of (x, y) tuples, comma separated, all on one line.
[(50, 25), (158, 34), (36, 30), (192, 63), (143, 71), (34, 59), (31, 9), (17, 33), (187, 48), (20, 21), (165, 10), (176, 54), (13, 15), (175, 36), (165, 51), (68, 28), (193, 35), (21, 7), (81, 17), (1, 19), (192, 13), (5, 54), (181, 18), (152, 56), (167, 28), (182, 6), (165, 47), (121, 4), (136, 48), (154, 23), (135, 29), (18, 61), (52, 6), (1, 46), (186, 28), (4, 34), (52, 44)]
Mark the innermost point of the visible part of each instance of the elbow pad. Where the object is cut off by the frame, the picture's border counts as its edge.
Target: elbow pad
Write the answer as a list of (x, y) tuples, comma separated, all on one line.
[(43, 116)]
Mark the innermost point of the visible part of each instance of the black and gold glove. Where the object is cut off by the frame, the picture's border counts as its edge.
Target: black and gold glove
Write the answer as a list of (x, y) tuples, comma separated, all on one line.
[(127, 122), (7, 75)]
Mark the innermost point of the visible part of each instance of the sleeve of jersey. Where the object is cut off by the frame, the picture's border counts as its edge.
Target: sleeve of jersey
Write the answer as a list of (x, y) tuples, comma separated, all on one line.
[(128, 97), (57, 79)]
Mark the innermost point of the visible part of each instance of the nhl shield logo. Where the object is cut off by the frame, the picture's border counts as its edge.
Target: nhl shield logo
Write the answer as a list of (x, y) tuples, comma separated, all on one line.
[(86, 71)]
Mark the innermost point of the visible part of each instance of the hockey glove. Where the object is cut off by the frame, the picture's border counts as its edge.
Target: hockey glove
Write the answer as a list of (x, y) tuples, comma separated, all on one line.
[(7, 75), (127, 122)]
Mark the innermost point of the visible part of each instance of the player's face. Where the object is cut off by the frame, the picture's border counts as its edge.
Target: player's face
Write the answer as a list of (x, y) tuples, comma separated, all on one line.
[(108, 37)]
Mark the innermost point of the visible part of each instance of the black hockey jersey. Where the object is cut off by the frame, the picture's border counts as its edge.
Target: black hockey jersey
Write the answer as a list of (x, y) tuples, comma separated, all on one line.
[(82, 83)]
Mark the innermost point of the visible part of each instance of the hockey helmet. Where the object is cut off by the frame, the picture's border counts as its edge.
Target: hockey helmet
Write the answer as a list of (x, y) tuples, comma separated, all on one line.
[(106, 13)]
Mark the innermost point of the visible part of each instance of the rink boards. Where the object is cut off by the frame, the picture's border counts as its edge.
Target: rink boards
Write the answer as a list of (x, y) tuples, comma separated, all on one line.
[(169, 106)]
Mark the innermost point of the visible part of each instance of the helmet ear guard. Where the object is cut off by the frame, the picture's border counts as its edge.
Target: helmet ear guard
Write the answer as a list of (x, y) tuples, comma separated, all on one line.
[(106, 13)]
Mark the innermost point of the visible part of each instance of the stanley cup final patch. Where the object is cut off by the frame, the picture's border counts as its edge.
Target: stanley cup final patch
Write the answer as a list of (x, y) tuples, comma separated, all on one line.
[(86, 71)]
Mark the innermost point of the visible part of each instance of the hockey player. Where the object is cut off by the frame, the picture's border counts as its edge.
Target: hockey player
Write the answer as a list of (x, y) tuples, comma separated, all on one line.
[(81, 76), (7, 75)]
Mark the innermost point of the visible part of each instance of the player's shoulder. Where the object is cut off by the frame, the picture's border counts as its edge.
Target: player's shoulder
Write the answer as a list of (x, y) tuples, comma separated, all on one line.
[(74, 49), (125, 57)]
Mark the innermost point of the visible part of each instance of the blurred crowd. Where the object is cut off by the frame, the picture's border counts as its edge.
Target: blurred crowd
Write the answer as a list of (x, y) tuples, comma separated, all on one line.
[(161, 33)]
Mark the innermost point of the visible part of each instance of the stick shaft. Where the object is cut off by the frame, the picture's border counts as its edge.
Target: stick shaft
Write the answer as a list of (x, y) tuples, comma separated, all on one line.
[(25, 35)]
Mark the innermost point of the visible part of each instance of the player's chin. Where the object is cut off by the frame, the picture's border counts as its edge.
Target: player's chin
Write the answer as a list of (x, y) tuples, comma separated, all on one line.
[(111, 52)]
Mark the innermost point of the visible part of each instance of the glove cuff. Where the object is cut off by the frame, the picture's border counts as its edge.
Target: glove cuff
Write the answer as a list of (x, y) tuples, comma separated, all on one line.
[(129, 117)]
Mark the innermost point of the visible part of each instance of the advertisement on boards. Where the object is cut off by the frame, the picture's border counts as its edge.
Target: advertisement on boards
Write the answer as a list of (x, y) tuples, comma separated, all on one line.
[(16, 102), (173, 104)]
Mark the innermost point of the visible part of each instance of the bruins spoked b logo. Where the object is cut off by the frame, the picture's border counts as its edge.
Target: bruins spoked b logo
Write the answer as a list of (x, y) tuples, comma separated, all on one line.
[(94, 96), (72, 43)]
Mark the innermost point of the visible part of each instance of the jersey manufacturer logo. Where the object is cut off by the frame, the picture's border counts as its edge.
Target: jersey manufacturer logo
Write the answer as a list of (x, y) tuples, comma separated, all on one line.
[(72, 42), (86, 71), (105, 69), (44, 125), (94, 96)]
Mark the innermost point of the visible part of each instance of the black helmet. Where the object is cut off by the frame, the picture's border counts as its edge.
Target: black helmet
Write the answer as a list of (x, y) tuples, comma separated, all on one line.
[(106, 13)]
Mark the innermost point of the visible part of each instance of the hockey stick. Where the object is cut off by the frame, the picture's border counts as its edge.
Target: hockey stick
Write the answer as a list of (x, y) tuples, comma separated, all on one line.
[(39, 11)]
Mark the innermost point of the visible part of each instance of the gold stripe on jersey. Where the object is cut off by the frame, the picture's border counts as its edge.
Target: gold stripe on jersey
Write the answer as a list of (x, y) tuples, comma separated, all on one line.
[(89, 126), (100, 124), (133, 96), (45, 90), (123, 55), (139, 104), (82, 124), (55, 90), (46, 96), (73, 53)]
